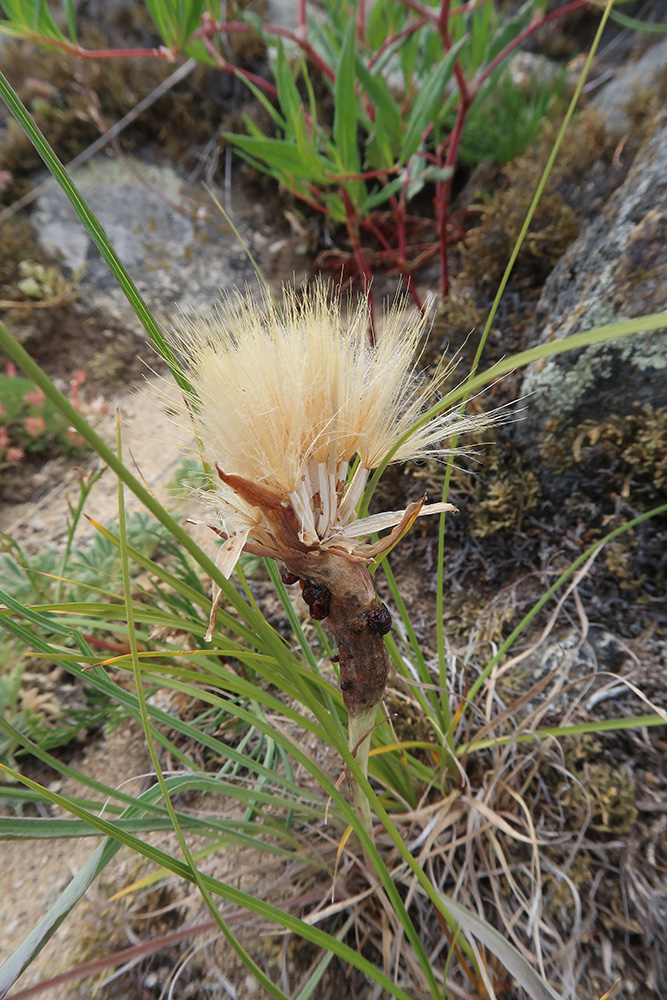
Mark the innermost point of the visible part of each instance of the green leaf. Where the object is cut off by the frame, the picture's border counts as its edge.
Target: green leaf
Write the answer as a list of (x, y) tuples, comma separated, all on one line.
[(345, 106), (32, 18), (96, 233), (387, 121), (288, 95), (480, 34), (427, 102), (31, 946), (508, 31), (635, 25), (307, 150), (164, 18), (436, 175), (381, 195), (278, 153), (472, 925), (70, 13)]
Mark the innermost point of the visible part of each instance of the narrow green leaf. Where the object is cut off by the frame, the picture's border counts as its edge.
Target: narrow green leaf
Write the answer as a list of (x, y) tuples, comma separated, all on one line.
[(634, 24), (260, 96), (31, 946), (379, 196), (345, 105), (312, 160), (95, 230), (278, 153), (387, 114), (70, 13), (27, 828), (480, 34), (508, 30), (165, 20), (472, 925), (288, 95), (31, 18), (427, 102)]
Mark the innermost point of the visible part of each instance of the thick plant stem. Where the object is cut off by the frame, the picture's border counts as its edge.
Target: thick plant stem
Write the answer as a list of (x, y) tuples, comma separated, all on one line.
[(341, 590), (359, 742)]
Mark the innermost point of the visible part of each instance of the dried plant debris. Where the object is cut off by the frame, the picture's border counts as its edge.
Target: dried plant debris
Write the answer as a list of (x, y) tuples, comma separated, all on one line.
[(626, 453), (489, 243)]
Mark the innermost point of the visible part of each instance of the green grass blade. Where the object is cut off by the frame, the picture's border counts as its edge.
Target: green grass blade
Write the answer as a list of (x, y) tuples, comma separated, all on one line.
[(588, 338), (230, 937), (94, 229), (265, 910), (31, 946), (555, 732), (535, 986), (345, 105), (572, 568), (636, 25), (430, 96)]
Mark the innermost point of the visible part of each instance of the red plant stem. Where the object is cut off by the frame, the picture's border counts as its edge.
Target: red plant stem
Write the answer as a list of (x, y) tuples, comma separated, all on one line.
[(523, 35), (368, 175), (465, 7), (118, 958), (404, 33), (236, 70), (352, 226), (443, 27), (417, 25), (315, 205), (380, 237), (399, 212), (425, 13), (162, 52), (361, 21), (443, 193), (210, 27)]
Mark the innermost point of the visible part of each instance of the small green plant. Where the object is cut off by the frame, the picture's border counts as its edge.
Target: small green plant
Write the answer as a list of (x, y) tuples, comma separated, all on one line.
[(410, 89), (507, 118), (80, 576), (31, 424)]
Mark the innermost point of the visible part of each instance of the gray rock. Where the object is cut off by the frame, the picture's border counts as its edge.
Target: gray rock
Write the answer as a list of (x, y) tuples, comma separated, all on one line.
[(616, 270), (632, 78), (179, 259)]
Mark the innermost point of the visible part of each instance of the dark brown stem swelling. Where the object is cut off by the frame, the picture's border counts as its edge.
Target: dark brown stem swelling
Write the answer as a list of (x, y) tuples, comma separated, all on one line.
[(358, 622)]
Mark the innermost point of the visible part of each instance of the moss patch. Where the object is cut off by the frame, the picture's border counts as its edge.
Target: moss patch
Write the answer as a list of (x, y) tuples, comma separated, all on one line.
[(488, 245)]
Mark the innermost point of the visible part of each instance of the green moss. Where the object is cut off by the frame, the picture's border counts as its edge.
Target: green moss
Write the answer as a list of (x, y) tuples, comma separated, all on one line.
[(19, 243), (631, 450), (488, 245), (596, 786)]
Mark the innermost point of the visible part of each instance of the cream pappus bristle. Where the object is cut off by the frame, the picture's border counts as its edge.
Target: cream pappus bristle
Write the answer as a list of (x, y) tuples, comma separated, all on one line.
[(287, 399)]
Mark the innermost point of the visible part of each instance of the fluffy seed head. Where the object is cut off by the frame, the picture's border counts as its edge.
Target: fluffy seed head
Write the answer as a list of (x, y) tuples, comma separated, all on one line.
[(285, 399)]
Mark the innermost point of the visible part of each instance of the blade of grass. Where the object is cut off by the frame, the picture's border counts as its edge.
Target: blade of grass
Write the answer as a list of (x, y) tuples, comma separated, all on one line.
[(235, 896), (228, 934), (94, 228), (572, 568), (440, 618)]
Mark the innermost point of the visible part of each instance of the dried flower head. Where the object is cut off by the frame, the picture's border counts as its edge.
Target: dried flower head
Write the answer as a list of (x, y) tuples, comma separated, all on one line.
[(285, 402), (292, 409)]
